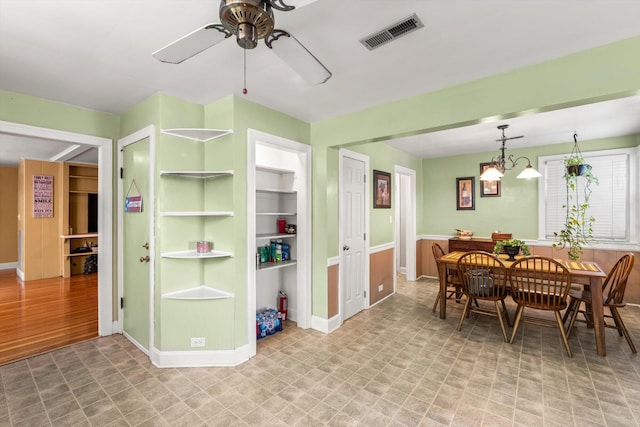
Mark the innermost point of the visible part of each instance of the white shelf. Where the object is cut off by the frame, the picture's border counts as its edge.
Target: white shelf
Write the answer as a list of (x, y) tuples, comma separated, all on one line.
[(275, 213), (193, 254), (198, 213), (275, 191), (274, 265), (198, 293), (274, 170), (266, 236), (197, 174), (197, 134)]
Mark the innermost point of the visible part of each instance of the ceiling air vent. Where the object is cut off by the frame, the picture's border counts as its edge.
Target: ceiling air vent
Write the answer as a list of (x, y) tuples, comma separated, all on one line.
[(392, 32)]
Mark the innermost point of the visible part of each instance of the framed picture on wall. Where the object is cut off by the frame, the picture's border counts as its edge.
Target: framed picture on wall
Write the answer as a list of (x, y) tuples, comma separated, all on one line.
[(381, 189), (488, 188), (465, 193)]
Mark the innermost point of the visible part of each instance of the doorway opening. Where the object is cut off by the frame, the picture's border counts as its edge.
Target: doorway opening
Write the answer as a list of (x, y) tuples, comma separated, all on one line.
[(405, 224), (104, 202)]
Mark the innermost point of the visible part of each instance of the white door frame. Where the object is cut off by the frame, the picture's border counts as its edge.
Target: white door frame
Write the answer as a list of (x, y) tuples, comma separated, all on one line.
[(149, 208), (342, 153), (410, 220), (105, 208), (304, 308)]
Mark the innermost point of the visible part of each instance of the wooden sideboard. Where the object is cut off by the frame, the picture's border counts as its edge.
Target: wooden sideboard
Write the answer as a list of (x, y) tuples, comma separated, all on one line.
[(475, 244)]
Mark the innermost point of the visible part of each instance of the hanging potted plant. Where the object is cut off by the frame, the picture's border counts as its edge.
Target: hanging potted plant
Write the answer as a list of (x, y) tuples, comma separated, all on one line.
[(578, 226)]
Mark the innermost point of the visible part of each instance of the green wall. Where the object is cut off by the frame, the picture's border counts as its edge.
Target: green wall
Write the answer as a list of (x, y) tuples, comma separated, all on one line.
[(601, 73), (606, 72), (516, 211), (382, 157), (28, 110)]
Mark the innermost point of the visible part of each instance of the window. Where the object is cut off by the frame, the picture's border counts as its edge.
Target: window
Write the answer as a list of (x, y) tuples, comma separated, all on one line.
[(611, 203)]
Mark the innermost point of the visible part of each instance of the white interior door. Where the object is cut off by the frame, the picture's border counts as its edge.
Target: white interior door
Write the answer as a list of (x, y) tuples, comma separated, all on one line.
[(353, 236)]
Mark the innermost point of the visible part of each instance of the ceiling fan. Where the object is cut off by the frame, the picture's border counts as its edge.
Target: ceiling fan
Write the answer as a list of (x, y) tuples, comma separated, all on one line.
[(249, 21)]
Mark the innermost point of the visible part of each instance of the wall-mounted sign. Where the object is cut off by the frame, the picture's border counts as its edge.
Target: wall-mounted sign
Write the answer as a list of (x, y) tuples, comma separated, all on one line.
[(42, 196), (133, 204)]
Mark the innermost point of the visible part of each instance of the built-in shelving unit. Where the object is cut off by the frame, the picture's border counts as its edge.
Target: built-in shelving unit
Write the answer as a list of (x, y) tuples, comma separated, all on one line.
[(198, 213), (274, 265), (198, 293), (197, 174), (197, 134), (194, 219), (273, 236), (192, 253)]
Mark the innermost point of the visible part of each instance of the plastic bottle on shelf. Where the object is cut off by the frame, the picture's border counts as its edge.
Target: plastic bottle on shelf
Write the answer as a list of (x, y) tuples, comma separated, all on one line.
[(282, 225)]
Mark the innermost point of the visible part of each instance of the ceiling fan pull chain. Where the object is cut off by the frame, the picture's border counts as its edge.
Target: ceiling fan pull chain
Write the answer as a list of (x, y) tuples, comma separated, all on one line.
[(244, 89)]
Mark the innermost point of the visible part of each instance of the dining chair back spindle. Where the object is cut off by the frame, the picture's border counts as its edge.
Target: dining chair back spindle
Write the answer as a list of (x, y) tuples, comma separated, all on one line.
[(613, 290), (454, 285), (484, 278), (540, 283)]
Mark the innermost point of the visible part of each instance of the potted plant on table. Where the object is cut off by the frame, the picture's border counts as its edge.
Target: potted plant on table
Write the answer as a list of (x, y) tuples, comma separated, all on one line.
[(578, 226), (511, 247)]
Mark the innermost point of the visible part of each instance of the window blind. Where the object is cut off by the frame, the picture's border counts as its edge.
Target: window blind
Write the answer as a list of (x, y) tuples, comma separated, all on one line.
[(608, 202)]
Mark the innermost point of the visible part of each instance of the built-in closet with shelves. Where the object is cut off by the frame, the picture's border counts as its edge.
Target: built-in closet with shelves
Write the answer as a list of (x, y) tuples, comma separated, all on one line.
[(279, 184)]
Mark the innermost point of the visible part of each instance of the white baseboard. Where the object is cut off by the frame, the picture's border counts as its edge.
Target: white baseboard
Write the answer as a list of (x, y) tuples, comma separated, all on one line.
[(136, 343), (206, 358), (8, 265), (20, 274), (378, 302), (115, 328), (326, 325)]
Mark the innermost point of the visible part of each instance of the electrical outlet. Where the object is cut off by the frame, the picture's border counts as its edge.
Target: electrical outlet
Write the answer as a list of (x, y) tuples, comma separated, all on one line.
[(197, 342), (380, 288)]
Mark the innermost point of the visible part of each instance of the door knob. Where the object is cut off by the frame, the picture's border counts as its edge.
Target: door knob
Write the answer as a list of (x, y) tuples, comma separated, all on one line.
[(145, 258), (146, 246), (345, 248)]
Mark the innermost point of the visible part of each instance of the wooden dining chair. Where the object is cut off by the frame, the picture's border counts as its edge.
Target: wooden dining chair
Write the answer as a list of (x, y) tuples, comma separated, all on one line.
[(543, 284), (484, 278), (454, 285), (613, 290)]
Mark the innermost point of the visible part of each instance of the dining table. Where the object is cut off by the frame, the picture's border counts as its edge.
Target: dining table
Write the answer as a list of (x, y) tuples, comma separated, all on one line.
[(587, 270)]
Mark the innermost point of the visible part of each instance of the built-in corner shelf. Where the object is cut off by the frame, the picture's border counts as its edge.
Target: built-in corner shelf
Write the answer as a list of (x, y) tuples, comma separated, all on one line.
[(274, 265), (198, 213), (194, 254), (197, 174), (197, 134), (198, 293)]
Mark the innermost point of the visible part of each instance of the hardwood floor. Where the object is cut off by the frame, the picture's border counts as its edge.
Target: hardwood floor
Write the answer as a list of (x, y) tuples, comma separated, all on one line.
[(41, 315)]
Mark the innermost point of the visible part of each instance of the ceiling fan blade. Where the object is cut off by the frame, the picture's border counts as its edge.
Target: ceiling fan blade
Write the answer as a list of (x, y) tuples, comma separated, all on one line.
[(291, 51), (191, 44)]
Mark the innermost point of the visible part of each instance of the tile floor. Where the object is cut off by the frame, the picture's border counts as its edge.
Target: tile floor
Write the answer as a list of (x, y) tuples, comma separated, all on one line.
[(395, 364)]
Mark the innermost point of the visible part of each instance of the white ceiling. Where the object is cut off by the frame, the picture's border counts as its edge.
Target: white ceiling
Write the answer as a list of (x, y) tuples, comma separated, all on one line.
[(97, 54)]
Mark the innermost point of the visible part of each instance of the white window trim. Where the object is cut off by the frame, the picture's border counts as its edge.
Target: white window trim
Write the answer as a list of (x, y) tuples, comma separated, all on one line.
[(634, 199)]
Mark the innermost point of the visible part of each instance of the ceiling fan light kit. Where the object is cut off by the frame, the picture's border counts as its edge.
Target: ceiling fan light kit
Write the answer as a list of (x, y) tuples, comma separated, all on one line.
[(249, 21)]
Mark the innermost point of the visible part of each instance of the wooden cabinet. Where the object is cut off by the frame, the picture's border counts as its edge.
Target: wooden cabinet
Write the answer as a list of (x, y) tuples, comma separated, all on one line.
[(475, 244)]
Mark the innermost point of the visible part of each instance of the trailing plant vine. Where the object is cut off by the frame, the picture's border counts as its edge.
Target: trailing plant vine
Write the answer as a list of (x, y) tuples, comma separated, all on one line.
[(578, 227)]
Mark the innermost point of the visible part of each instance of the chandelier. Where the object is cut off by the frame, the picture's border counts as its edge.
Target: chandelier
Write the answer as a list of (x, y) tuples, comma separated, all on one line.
[(499, 163)]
